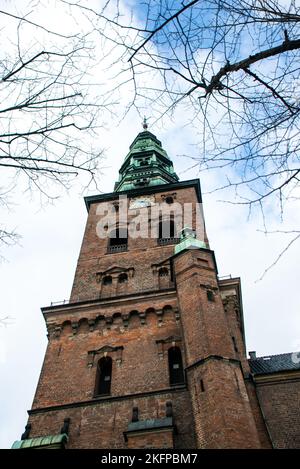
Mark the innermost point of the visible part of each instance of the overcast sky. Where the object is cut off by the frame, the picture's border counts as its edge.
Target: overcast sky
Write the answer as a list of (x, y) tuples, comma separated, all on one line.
[(41, 268)]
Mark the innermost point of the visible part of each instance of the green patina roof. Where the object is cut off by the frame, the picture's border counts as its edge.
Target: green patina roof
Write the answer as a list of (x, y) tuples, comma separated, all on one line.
[(146, 164), (146, 141), (41, 442), (188, 241)]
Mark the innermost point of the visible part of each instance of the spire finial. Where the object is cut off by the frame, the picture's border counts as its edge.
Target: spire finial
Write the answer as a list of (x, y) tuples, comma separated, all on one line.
[(145, 125)]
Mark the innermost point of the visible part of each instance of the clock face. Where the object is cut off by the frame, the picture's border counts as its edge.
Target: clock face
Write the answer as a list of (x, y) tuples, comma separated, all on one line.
[(140, 202)]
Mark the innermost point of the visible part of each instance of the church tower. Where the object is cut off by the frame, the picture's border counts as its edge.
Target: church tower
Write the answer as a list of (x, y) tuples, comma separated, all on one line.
[(149, 352)]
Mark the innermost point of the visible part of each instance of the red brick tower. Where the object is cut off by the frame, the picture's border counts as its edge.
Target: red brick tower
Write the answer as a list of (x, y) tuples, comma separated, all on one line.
[(149, 351)]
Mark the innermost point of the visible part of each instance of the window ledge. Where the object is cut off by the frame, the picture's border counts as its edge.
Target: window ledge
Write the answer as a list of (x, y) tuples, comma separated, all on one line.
[(114, 249), (165, 241), (99, 396)]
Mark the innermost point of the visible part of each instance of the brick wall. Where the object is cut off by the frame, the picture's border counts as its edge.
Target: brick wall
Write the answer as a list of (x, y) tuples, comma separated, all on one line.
[(221, 408), (222, 414), (262, 430), (101, 424), (142, 255), (279, 397), (69, 371), (159, 439)]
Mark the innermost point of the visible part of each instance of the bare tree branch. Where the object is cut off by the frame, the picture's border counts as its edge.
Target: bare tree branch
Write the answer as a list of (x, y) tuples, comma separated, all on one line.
[(282, 252), (50, 109), (233, 67)]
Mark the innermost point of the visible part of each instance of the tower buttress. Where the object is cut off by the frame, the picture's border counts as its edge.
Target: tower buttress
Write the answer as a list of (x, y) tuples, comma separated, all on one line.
[(222, 413)]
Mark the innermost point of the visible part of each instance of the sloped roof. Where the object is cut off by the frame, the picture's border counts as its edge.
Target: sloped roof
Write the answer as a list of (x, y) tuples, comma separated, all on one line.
[(42, 442), (275, 363)]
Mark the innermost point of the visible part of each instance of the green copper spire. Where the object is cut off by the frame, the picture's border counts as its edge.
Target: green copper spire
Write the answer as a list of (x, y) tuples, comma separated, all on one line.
[(147, 163)]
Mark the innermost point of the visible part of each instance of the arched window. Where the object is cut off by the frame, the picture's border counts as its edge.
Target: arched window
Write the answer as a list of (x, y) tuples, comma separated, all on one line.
[(123, 278), (103, 379), (163, 272), (175, 366), (118, 240), (107, 280), (166, 229)]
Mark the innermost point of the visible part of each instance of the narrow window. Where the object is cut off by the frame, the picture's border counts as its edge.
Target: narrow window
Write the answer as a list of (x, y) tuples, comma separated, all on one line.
[(210, 295), (175, 366), (166, 229), (234, 344), (103, 380), (202, 385), (107, 280), (118, 240)]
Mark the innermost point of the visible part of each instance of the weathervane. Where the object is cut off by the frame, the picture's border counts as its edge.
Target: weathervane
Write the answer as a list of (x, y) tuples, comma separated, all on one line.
[(145, 125)]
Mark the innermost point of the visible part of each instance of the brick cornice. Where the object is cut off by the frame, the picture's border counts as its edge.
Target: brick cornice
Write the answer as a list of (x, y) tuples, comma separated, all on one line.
[(145, 190), (79, 305), (107, 399), (214, 358), (277, 378)]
